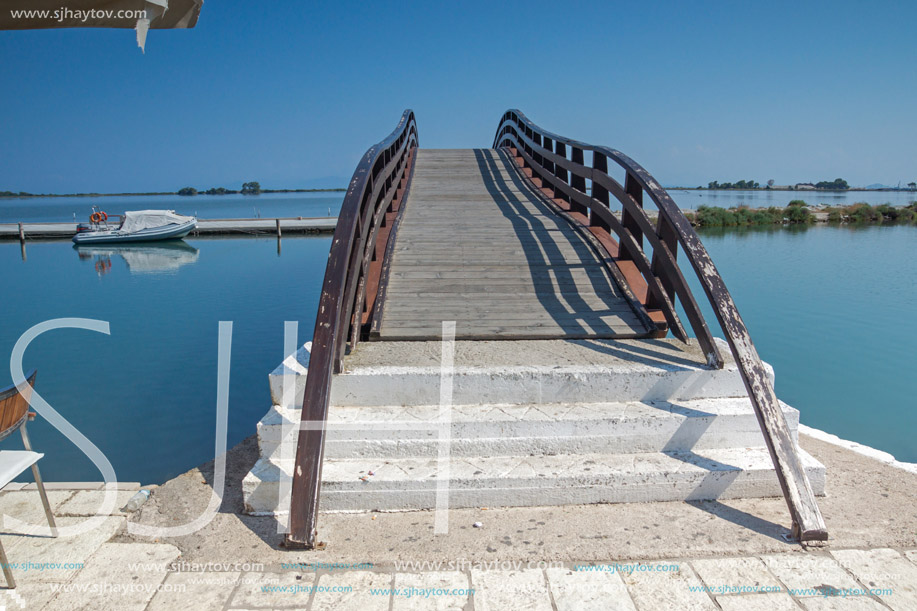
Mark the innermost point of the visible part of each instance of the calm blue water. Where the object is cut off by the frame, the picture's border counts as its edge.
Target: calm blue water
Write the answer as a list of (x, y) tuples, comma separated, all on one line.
[(266, 205), (146, 394), (273, 205), (831, 308)]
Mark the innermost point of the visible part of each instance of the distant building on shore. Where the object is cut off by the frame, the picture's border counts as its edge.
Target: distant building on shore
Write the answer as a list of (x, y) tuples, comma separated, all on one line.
[(804, 186)]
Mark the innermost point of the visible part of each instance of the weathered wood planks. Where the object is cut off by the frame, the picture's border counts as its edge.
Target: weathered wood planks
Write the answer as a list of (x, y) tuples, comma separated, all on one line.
[(477, 246)]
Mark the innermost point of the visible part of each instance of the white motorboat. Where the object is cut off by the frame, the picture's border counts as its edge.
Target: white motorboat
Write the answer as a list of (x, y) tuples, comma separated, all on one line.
[(134, 226)]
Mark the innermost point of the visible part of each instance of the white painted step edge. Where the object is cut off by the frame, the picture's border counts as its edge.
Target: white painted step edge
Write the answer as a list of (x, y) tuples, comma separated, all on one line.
[(410, 484), (379, 386), (528, 430)]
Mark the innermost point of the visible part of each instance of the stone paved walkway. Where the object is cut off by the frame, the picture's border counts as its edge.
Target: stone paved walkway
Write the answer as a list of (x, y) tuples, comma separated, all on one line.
[(100, 571)]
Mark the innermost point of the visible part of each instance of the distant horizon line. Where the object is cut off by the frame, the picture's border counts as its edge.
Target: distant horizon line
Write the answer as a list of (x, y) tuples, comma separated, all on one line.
[(25, 194)]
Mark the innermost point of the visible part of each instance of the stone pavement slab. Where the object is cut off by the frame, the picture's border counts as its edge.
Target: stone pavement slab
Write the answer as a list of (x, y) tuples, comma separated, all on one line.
[(118, 577), (285, 590), (770, 601), (65, 554), (89, 503), (807, 575), (200, 591), (35, 595), (525, 590), (412, 589), (25, 505), (588, 590), (883, 569), (352, 591), (735, 575), (836, 603), (660, 590)]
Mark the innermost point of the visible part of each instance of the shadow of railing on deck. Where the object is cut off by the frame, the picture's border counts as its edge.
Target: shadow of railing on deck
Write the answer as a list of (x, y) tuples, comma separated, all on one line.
[(542, 239)]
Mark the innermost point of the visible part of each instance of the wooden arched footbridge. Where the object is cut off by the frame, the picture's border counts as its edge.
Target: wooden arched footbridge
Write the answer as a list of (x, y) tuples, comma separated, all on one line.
[(538, 238)]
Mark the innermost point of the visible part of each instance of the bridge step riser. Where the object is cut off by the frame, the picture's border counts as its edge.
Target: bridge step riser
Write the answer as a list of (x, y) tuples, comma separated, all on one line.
[(419, 386), (629, 428), (562, 481)]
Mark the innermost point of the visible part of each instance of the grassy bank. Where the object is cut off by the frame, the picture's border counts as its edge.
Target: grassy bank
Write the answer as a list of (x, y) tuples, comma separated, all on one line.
[(799, 213)]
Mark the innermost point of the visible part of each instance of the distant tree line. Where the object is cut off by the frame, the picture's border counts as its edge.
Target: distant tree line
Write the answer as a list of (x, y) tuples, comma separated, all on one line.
[(838, 184), (742, 184), (248, 188), (797, 212)]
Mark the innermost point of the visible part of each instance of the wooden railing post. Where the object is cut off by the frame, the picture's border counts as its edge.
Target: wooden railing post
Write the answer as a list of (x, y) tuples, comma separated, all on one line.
[(536, 138), (547, 173), (560, 174), (633, 190), (669, 237), (599, 193), (577, 180)]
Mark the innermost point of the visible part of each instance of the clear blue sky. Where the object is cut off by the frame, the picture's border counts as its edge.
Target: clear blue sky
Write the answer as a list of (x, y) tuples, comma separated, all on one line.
[(291, 93)]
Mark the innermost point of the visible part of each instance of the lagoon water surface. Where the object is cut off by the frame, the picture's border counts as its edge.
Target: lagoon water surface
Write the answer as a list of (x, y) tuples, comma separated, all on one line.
[(831, 308), (146, 393), (232, 206), (318, 204)]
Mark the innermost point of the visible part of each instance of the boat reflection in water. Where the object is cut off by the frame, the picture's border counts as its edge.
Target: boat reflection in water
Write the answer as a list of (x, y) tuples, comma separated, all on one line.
[(158, 258)]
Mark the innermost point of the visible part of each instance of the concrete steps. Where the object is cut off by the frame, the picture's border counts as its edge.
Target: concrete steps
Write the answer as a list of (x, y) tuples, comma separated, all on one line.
[(516, 372), (520, 481), (507, 430), (534, 423)]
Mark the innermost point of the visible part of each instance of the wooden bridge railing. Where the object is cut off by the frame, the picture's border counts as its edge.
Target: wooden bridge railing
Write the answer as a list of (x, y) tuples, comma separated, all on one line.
[(557, 167), (349, 294)]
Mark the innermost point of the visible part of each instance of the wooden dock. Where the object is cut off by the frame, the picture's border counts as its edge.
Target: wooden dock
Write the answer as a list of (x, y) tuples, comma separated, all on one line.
[(11, 231), (478, 246)]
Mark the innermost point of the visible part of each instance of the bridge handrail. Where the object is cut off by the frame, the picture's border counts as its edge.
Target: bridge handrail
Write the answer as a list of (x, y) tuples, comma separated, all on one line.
[(545, 158), (378, 185)]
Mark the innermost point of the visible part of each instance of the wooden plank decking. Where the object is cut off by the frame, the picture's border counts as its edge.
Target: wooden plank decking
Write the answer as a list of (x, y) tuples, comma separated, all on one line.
[(477, 246)]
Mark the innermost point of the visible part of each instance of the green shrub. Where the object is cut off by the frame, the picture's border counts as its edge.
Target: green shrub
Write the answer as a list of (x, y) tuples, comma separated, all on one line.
[(861, 213), (834, 215), (710, 216), (886, 211), (795, 203), (798, 214)]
